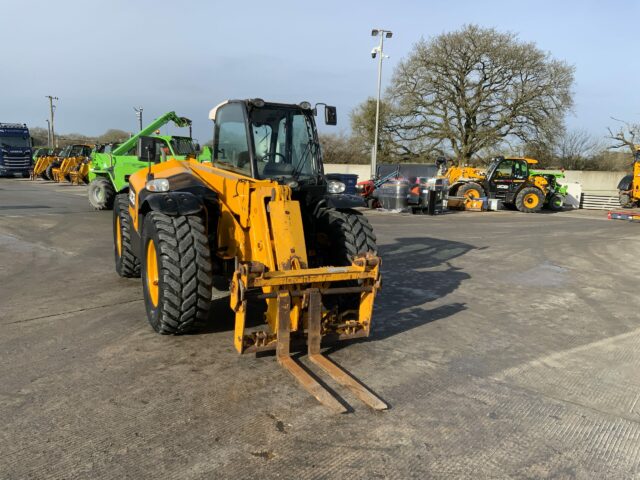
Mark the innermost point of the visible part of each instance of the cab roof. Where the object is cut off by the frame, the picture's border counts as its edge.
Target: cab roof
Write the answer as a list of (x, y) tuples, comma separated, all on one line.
[(258, 101)]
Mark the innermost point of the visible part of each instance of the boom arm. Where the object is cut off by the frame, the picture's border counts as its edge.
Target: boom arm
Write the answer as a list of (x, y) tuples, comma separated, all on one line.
[(152, 127)]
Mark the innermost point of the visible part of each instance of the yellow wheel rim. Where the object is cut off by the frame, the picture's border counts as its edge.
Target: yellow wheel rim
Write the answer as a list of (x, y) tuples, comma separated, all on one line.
[(152, 273), (118, 237), (472, 193), (531, 200)]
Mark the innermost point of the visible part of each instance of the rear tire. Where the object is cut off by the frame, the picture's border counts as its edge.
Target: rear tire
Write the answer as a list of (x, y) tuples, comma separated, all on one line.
[(127, 264), (176, 272), (471, 190), (101, 194), (530, 200)]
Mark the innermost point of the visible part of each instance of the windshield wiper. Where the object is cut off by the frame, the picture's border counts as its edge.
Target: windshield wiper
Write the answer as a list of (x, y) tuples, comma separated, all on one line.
[(306, 154)]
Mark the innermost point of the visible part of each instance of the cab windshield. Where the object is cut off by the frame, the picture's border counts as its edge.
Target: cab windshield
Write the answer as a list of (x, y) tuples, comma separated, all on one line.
[(183, 145), (285, 142), (65, 152), (14, 141)]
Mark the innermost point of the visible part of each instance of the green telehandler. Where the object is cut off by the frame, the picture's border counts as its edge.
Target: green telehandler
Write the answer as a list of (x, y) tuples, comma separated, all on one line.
[(109, 172)]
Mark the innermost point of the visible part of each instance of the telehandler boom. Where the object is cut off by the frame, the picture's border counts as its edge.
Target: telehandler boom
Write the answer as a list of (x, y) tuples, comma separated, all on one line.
[(109, 171), (262, 216)]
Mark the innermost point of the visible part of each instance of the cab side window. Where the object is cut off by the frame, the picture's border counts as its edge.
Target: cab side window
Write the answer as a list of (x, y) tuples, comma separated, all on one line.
[(230, 145), (505, 169), (520, 170)]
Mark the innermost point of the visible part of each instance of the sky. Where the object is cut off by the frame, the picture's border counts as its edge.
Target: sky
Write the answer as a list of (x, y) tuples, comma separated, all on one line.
[(102, 58)]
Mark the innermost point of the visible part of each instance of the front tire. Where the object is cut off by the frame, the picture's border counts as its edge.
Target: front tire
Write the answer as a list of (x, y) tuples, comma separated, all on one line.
[(556, 203), (101, 194), (347, 234), (625, 200), (344, 234), (176, 272), (48, 173), (530, 200), (127, 264)]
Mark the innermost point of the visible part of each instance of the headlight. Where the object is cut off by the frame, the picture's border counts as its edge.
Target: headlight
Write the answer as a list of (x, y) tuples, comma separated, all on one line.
[(333, 186), (158, 185)]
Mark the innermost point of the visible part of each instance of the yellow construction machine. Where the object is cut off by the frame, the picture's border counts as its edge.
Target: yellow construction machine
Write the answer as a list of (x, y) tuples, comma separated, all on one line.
[(61, 169), (464, 181), (629, 186), (263, 217), (42, 162), (79, 174), (509, 179)]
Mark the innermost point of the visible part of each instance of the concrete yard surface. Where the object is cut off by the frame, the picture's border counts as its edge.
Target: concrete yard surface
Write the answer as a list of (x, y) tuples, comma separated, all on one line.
[(507, 345)]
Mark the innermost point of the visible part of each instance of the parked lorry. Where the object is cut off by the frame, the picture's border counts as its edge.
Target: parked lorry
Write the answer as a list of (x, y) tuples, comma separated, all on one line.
[(109, 172), (15, 150)]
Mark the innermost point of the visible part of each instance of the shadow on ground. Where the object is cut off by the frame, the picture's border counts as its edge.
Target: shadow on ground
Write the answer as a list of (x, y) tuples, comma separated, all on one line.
[(415, 271)]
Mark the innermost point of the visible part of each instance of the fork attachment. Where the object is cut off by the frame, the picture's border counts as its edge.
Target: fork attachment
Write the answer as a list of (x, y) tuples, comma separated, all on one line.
[(295, 312), (314, 336)]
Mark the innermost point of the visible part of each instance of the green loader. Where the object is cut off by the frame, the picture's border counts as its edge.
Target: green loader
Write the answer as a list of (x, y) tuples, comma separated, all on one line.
[(109, 172), (556, 191)]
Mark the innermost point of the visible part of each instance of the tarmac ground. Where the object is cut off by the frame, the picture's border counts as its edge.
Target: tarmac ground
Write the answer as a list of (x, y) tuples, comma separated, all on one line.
[(506, 344)]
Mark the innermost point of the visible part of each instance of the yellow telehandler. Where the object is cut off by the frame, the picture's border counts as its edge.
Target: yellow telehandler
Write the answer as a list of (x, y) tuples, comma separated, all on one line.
[(61, 169), (263, 216), (511, 180), (42, 162)]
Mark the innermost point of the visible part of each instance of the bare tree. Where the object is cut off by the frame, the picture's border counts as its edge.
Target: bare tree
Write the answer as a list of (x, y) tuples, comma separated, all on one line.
[(475, 88), (392, 145), (576, 149), (339, 148), (627, 135)]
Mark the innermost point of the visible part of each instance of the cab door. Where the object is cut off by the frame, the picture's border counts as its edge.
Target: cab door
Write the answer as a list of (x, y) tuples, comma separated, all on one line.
[(507, 179)]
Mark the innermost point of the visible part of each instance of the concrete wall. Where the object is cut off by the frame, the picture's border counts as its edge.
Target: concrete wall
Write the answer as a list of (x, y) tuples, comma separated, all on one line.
[(603, 183)]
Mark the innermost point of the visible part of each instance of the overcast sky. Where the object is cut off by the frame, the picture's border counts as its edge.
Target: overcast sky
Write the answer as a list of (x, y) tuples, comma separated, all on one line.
[(102, 58)]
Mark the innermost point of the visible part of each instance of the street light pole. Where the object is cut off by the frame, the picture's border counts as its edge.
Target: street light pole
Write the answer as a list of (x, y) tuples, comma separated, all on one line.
[(139, 115), (49, 133), (52, 109), (379, 51)]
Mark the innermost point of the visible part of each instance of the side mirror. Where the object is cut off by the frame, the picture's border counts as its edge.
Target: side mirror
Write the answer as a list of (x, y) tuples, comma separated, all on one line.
[(197, 147), (330, 115)]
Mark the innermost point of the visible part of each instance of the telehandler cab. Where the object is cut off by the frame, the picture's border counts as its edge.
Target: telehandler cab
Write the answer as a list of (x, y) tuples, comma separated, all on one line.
[(263, 216)]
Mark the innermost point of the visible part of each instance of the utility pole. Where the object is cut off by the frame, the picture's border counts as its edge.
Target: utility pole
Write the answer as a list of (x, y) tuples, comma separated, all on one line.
[(379, 51), (49, 134), (139, 115), (52, 108)]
